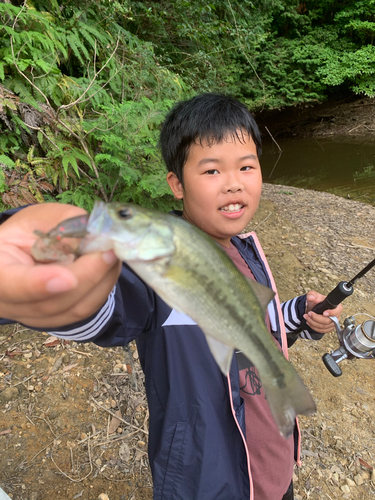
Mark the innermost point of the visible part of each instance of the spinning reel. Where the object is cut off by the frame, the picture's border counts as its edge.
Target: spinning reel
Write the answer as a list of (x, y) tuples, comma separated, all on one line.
[(355, 342)]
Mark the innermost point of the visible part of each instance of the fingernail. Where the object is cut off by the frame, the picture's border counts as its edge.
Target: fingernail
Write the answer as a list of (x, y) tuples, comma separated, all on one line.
[(109, 257), (56, 285), (310, 297)]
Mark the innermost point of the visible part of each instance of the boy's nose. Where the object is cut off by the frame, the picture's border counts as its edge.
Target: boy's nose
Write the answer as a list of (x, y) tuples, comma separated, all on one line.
[(233, 185)]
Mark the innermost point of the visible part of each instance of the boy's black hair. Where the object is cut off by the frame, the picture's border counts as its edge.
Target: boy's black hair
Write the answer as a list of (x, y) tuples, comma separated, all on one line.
[(206, 118)]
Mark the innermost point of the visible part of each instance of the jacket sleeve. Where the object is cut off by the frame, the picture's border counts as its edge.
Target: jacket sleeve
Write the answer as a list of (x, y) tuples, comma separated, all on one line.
[(128, 312), (293, 311), (8, 213)]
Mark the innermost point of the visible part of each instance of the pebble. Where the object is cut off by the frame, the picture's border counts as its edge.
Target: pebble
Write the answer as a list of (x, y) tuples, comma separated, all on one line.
[(335, 478), (135, 355), (350, 482), (358, 480), (53, 414), (57, 364), (124, 452), (345, 488), (9, 394)]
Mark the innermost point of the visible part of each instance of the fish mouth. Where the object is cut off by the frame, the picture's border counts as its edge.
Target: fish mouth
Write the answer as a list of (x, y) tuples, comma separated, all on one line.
[(232, 208)]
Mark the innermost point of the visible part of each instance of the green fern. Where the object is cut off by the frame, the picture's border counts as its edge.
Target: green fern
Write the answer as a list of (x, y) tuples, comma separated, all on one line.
[(6, 161)]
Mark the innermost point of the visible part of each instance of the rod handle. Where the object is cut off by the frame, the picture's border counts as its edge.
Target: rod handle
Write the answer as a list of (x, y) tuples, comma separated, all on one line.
[(333, 299)]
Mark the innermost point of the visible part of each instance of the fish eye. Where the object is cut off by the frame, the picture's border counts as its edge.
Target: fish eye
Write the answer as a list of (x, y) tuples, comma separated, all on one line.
[(125, 213)]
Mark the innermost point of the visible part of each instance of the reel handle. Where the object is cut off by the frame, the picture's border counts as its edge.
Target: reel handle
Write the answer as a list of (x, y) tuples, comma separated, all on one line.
[(331, 365), (333, 299)]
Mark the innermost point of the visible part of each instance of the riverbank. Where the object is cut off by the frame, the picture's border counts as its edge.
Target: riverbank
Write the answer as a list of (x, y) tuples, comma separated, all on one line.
[(351, 117), (58, 422)]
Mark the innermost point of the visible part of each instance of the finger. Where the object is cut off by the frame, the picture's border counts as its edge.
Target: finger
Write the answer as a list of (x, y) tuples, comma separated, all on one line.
[(313, 298), (95, 281), (26, 282), (319, 323), (97, 274), (334, 312)]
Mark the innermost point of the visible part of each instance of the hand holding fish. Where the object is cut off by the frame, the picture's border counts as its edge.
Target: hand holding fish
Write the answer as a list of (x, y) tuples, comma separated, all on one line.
[(320, 322), (50, 295)]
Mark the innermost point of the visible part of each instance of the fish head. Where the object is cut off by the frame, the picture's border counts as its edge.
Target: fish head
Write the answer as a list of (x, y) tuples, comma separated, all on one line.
[(135, 233)]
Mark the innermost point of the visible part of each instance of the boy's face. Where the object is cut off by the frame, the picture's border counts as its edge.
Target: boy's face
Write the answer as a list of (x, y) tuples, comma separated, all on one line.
[(222, 187)]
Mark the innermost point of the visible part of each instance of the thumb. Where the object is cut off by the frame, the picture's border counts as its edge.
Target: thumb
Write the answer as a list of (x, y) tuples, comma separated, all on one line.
[(312, 297)]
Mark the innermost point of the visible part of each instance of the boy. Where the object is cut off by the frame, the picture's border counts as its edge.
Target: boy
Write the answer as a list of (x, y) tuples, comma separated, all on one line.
[(211, 437)]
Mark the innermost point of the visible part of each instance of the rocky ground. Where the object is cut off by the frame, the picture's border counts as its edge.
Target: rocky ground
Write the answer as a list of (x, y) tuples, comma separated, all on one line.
[(74, 419)]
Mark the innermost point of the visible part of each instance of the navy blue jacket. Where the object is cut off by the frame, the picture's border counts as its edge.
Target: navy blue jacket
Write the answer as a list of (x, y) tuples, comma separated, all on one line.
[(197, 449)]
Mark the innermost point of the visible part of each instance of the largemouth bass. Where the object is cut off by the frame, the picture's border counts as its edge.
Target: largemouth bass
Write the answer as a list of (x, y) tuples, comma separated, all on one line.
[(192, 274)]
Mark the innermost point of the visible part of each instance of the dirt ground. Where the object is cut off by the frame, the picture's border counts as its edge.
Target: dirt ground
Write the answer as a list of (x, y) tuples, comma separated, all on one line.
[(74, 419)]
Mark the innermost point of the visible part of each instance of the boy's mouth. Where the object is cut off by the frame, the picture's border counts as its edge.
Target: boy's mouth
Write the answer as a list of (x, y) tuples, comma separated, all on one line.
[(231, 208)]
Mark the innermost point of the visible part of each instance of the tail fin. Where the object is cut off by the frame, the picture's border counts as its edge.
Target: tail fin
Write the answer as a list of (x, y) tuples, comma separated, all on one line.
[(288, 401)]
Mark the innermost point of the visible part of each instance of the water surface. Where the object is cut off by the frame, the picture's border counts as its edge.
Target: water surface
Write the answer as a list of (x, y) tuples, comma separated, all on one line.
[(343, 166)]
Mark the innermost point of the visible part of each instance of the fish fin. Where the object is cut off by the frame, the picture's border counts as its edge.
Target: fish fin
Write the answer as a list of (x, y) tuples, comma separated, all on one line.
[(222, 353), (288, 400), (263, 293)]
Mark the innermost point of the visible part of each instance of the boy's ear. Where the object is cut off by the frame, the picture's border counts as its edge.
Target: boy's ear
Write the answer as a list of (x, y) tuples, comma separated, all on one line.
[(175, 185)]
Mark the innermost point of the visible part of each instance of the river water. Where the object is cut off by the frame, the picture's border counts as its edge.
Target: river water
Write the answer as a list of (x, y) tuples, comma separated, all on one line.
[(344, 166)]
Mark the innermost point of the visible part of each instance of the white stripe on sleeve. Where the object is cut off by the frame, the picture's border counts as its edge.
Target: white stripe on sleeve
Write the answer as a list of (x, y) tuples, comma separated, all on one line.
[(91, 329), (291, 319)]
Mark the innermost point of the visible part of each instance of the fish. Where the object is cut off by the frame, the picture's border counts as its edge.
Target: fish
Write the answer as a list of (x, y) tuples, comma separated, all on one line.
[(194, 275)]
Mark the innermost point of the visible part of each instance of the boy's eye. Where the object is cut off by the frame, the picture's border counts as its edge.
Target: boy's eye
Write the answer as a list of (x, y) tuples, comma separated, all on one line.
[(213, 171), (244, 169)]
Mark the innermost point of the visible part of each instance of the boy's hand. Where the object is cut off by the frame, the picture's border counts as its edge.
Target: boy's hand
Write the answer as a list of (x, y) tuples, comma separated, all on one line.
[(319, 322), (49, 295)]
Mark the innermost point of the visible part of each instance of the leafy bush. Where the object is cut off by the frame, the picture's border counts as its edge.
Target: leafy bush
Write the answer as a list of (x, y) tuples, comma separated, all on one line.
[(84, 86)]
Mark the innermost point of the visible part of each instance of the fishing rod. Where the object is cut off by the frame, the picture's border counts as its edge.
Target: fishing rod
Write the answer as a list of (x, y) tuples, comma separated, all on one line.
[(343, 290), (355, 341)]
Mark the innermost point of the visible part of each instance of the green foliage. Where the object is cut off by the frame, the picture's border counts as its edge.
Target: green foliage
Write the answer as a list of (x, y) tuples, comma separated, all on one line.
[(84, 86), (87, 96)]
